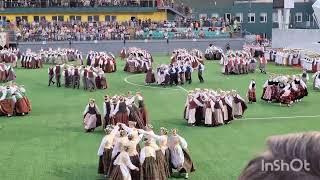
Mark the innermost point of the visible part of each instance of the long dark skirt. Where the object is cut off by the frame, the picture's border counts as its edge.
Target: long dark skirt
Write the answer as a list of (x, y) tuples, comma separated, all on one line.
[(135, 175), (110, 170), (188, 164), (150, 169), (122, 117), (105, 162), (116, 173), (168, 160), (163, 167)]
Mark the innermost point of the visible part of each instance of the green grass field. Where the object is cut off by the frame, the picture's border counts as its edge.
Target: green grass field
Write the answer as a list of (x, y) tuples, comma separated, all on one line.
[(50, 144)]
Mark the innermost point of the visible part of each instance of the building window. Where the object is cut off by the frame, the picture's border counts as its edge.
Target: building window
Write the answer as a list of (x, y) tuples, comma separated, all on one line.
[(110, 18), (57, 18), (75, 18), (275, 17), (308, 18), (93, 18), (298, 17), (21, 18), (263, 17), (239, 17), (36, 18), (215, 15), (201, 16), (251, 17)]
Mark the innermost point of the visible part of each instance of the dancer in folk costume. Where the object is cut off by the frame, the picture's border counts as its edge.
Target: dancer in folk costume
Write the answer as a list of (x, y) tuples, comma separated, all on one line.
[(121, 112), (7, 102), (251, 94), (92, 117), (57, 74), (226, 106), (119, 143), (105, 150), (209, 110), (75, 74), (132, 130), (92, 79), (163, 169), (239, 106), (67, 76), (162, 140), (267, 90), (150, 78), (122, 166), (51, 75), (149, 169), (316, 81), (85, 80), (142, 109), (22, 104), (286, 96), (191, 106), (263, 63), (218, 113), (180, 157), (108, 108), (305, 76)]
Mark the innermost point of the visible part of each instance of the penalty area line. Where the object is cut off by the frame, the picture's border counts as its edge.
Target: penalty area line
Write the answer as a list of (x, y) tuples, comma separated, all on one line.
[(280, 117)]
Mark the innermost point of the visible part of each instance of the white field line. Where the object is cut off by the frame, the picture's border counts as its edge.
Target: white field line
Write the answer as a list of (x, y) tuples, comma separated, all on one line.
[(280, 117), (152, 87)]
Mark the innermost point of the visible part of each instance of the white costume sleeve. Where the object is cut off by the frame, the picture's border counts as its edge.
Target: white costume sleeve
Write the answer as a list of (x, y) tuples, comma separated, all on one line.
[(97, 109), (142, 156), (101, 147), (183, 142), (116, 109), (128, 162), (197, 102), (86, 109)]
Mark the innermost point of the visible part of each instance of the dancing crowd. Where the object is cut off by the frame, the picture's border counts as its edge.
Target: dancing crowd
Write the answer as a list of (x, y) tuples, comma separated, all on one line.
[(13, 100), (240, 62), (179, 71), (137, 60), (121, 156), (116, 109), (284, 89), (213, 108), (213, 53), (103, 60), (6, 73), (92, 78)]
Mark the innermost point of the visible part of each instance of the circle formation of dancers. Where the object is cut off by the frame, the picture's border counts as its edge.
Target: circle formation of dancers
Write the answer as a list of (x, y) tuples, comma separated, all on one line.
[(121, 156), (6, 73), (10, 55), (13, 100), (92, 78), (284, 89), (241, 62), (179, 71), (213, 108), (137, 60), (103, 60), (116, 109), (213, 53), (31, 60)]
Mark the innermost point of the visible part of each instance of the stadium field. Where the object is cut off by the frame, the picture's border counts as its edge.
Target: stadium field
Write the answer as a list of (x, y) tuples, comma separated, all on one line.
[(50, 143)]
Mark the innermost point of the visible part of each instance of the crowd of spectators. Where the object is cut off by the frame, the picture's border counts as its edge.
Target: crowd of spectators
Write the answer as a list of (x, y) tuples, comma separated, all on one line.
[(133, 29)]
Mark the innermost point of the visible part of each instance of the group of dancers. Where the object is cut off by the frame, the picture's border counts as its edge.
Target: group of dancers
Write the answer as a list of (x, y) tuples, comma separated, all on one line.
[(116, 109), (284, 89), (10, 55), (13, 100), (92, 78), (241, 62), (213, 53), (60, 55), (6, 73), (213, 108), (138, 60), (121, 156), (103, 60), (31, 60)]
